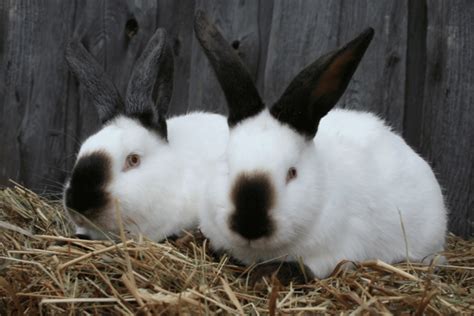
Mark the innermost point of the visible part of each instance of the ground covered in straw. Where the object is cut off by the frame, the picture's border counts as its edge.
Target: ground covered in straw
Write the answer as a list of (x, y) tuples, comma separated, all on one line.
[(42, 271)]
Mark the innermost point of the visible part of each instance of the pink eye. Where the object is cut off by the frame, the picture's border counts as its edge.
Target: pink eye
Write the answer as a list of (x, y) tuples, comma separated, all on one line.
[(291, 174), (132, 161)]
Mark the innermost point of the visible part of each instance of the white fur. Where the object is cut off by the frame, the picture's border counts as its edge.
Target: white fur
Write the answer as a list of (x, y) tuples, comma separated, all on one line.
[(162, 195), (357, 182)]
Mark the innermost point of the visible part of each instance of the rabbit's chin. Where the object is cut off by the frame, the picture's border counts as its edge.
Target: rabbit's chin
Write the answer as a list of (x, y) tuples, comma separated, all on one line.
[(99, 230), (250, 250), (96, 229), (255, 250), (238, 242)]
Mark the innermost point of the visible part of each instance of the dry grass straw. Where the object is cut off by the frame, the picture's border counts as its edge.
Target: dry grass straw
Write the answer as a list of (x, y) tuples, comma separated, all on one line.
[(44, 272)]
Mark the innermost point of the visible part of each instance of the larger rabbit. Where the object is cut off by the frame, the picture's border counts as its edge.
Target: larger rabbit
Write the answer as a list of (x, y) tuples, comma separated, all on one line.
[(304, 180), (148, 168)]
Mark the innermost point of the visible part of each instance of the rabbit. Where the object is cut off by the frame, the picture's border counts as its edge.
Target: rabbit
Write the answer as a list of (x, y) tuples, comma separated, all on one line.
[(147, 167), (304, 181)]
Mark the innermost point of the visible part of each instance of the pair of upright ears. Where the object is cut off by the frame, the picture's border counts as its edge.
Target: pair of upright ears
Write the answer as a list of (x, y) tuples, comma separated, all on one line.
[(308, 98), (149, 89)]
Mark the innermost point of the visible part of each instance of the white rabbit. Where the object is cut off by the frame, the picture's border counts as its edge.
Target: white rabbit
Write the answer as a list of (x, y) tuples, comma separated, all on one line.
[(304, 181), (151, 168)]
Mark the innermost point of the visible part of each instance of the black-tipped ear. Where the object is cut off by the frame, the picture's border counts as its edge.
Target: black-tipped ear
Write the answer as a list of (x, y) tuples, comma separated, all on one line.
[(152, 78), (98, 85), (316, 90), (240, 92)]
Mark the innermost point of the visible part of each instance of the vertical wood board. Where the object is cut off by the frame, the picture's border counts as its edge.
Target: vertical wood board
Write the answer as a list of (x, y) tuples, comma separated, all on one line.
[(238, 22), (447, 138)]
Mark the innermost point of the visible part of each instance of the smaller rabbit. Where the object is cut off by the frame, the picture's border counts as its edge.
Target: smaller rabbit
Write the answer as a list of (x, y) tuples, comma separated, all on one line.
[(150, 168), (304, 180)]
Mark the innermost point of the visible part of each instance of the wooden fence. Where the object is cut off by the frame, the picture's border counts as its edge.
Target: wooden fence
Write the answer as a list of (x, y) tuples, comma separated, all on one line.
[(418, 73)]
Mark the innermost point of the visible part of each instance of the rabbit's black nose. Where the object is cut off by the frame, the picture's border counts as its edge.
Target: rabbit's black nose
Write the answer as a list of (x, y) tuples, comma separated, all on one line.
[(253, 197)]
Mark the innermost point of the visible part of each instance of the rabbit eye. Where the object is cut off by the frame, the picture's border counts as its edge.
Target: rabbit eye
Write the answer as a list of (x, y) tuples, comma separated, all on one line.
[(291, 174), (132, 161)]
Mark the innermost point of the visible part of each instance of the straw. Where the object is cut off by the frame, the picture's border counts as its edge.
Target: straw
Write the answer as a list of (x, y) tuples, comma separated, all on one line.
[(43, 270)]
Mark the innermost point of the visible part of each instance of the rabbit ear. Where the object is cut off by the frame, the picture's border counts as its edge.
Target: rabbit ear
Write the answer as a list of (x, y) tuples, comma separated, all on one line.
[(98, 85), (240, 92), (316, 89), (152, 77)]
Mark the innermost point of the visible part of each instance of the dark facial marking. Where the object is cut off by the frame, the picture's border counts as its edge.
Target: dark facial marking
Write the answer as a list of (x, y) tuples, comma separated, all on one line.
[(89, 178), (253, 197)]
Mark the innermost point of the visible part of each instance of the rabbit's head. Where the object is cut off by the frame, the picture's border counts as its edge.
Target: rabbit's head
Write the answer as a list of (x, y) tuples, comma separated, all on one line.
[(111, 164), (271, 154)]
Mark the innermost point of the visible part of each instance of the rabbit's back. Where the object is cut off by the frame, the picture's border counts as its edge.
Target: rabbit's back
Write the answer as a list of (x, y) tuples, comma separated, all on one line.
[(377, 183), (200, 134)]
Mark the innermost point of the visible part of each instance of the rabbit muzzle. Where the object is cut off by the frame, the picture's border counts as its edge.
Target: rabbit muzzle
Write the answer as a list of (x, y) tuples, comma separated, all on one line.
[(253, 197), (86, 191)]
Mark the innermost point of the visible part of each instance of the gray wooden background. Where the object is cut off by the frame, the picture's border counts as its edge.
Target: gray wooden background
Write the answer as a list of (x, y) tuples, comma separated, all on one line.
[(418, 73)]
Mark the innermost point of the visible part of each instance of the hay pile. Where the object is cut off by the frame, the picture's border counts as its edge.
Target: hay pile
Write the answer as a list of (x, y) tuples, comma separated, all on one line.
[(44, 272)]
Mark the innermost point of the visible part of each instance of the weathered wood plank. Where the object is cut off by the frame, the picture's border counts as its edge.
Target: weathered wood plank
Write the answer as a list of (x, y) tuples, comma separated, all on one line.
[(415, 71), (447, 137), (238, 21), (265, 17), (128, 26), (379, 83), (9, 166), (4, 5), (176, 16), (301, 31), (304, 30), (35, 90), (81, 116)]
